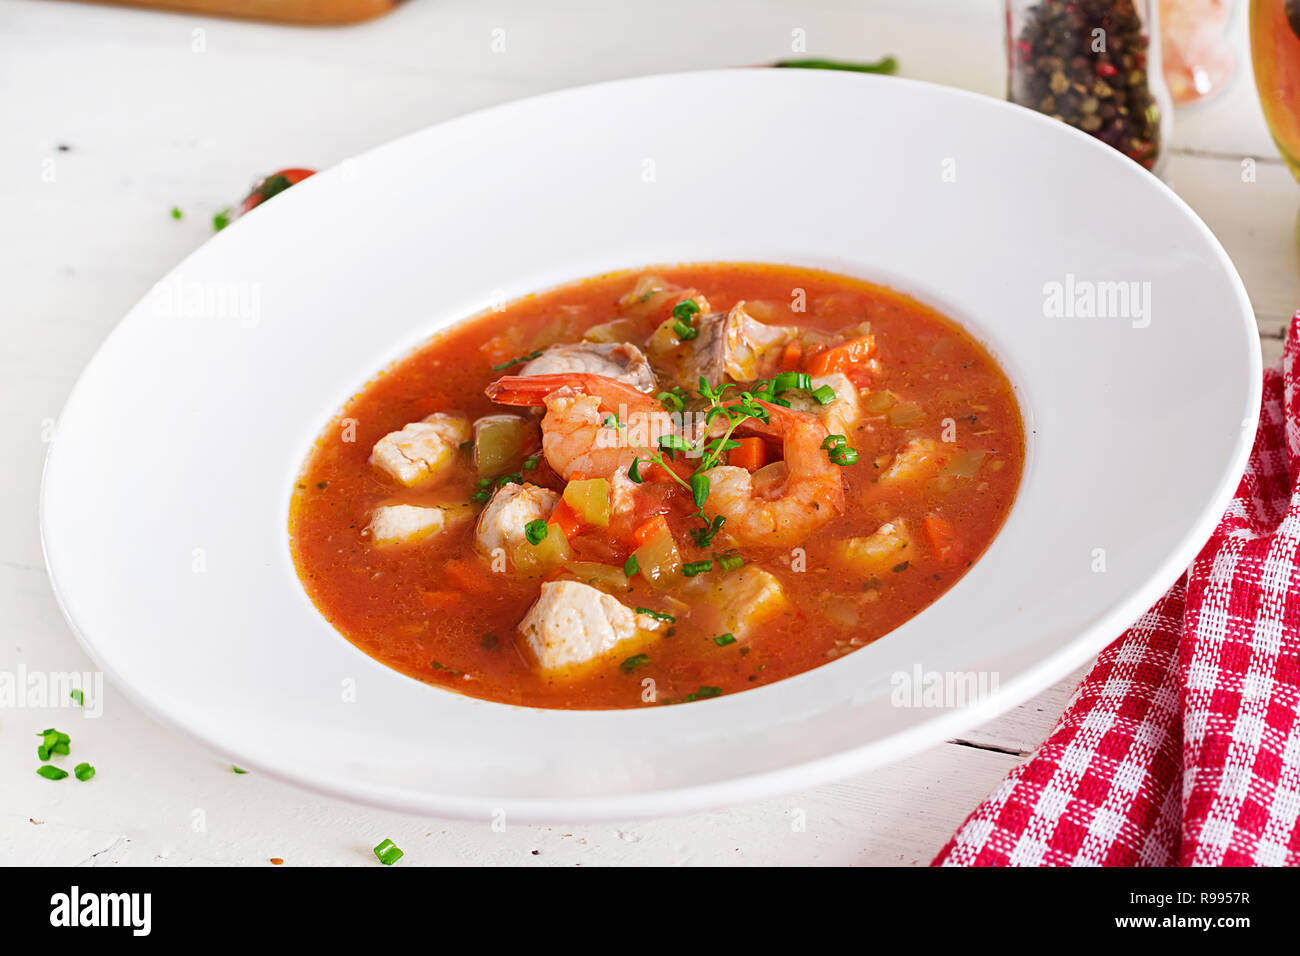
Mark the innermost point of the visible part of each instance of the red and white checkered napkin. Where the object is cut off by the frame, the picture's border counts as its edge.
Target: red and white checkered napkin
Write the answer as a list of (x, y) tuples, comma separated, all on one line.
[(1182, 745)]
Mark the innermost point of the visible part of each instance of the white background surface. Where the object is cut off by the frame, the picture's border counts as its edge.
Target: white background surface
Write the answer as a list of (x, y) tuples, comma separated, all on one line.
[(150, 122)]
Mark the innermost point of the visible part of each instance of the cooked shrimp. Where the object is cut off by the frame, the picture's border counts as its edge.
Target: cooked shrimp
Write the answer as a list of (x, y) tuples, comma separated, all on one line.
[(781, 504), (575, 433)]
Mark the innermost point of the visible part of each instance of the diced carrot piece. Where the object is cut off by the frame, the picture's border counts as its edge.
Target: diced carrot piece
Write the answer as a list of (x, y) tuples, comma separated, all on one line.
[(440, 599), (750, 454), (842, 357), (940, 536), (468, 574), (648, 530), (565, 518), (791, 356), (655, 473)]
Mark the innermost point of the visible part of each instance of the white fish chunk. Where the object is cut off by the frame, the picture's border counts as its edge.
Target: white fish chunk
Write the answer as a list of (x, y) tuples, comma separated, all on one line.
[(501, 525), (407, 524), (737, 345), (889, 547), (617, 360), (840, 415), (743, 598), (571, 624), (422, 450), (918, 459)]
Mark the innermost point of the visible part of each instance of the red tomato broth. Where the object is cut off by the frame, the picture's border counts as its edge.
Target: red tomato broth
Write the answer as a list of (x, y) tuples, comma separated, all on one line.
[(434, 611)]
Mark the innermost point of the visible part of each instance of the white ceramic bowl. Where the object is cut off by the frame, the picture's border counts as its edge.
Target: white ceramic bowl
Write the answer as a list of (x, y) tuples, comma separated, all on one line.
[(165, 498)]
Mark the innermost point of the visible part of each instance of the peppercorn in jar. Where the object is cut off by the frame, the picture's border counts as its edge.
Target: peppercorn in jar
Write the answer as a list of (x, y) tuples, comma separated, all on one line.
[(1093, 64)]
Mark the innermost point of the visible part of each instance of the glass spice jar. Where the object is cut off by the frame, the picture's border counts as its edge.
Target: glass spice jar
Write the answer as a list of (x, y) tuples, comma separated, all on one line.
[(1094, 64)]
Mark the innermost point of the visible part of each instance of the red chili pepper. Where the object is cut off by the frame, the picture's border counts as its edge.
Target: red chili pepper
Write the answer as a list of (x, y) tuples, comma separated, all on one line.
[(1106, 69), (272, 185)]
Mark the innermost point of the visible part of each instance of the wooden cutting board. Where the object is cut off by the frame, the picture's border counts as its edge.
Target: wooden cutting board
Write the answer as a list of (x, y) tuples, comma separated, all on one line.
[(322, 12)]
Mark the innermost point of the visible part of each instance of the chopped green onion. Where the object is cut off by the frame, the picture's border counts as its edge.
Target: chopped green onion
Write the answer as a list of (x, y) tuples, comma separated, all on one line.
[(884, 65), (535, 531), (530, 463), (686, 309), (632, 663), (844, 456), (79, 696), (724, 639), (832, 441), (388, 853), (176, 212), (517, 361), (657, 615), (684, 331), (238, 769), (630, 566), (683, 313), (697, 567), (51, 773), (785, 381), (670, 401), (703, 693), (730, 562), (221, 220), (824, 394), (83, 771), (54, 742)]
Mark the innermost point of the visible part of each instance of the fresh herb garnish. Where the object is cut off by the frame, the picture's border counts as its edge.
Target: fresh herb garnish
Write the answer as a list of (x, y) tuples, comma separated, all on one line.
[(238, 769), (176, 212), (722, 640), (79, 696), (745, 406), (490, 642), (535, 531), (697, 567), (83, 771), (221, 220), (51, 773), (530, 463), (630, 566)]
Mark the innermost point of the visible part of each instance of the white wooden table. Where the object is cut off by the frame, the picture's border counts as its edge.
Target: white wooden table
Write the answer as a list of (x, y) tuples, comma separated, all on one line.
[(110, 117)]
